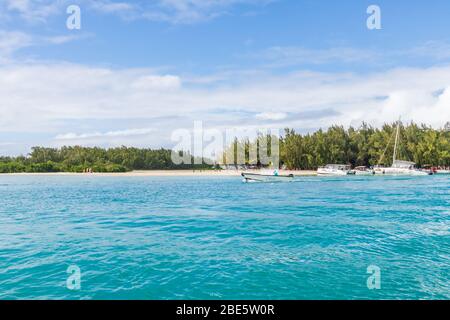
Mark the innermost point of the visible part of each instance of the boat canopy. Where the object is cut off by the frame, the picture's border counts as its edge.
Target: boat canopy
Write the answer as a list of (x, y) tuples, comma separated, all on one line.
[(403, 164), (338, 166)]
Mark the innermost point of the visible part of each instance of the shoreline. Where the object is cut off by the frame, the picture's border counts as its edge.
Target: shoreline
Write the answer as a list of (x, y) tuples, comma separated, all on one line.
[(163, 173)]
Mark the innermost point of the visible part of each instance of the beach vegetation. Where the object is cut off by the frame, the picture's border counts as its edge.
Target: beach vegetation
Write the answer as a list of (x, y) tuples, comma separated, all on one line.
[(93, 159), (362, 146)]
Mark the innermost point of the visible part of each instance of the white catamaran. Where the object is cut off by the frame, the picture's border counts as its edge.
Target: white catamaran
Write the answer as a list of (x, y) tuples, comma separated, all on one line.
[(400, 167)]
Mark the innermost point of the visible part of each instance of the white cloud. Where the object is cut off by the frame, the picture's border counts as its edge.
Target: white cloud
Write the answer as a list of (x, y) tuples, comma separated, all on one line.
[(171, 11), (59, 97), (271, 116), (156, 82), (437, 50), (61, 39), (47, 98), (284, 56), (111, 7), (109, 134), (287, 56), (19, 5), (191, 11), (31, 10), (11, 41), (34, 11)]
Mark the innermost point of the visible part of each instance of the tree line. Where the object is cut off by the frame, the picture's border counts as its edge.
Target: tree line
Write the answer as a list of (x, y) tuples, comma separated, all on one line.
[(80, 159), (363, 146)]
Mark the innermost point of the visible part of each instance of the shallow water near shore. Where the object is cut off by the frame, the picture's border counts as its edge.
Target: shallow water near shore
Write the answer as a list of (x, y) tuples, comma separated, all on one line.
[(219, 238)]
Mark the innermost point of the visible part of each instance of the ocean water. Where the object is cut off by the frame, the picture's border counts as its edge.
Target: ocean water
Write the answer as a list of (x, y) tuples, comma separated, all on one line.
[(218, 238)]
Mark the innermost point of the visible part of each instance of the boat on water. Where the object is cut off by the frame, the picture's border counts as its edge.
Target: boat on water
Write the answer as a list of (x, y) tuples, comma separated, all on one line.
[(401, 167), (364, 171), (268, 177), (378, 169), (335, 170)]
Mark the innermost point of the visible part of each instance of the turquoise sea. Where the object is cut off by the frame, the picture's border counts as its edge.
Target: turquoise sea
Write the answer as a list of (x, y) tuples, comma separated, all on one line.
[(218, 238)]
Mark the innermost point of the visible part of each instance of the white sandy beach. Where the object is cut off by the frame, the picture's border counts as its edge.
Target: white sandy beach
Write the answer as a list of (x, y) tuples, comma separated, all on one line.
[(165, 173)]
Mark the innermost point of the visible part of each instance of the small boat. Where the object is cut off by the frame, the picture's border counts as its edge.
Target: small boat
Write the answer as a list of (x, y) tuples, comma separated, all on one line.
[(269, 177), (364, 171), (335, 170)]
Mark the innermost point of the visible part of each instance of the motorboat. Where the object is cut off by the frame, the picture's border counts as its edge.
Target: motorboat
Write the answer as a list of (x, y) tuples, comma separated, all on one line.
[(267, 177), (364, 171), (335, 170)]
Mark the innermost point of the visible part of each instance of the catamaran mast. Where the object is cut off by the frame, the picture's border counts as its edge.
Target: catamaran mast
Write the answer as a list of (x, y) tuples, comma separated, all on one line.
[(396, 140)]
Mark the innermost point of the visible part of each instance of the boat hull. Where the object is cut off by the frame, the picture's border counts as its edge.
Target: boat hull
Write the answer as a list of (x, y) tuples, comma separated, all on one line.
[(442, 172), (365, 173), (335, 173), (402, 172), (255, 177)]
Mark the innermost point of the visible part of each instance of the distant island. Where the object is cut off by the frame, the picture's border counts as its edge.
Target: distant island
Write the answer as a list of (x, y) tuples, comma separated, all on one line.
[(363, 146)]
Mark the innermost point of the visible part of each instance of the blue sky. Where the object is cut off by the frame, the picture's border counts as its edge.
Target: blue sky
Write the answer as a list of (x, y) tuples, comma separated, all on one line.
[(138, 70), (236, 32)]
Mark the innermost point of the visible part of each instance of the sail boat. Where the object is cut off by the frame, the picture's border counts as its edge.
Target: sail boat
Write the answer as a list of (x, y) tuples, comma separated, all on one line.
[(400, 167)]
